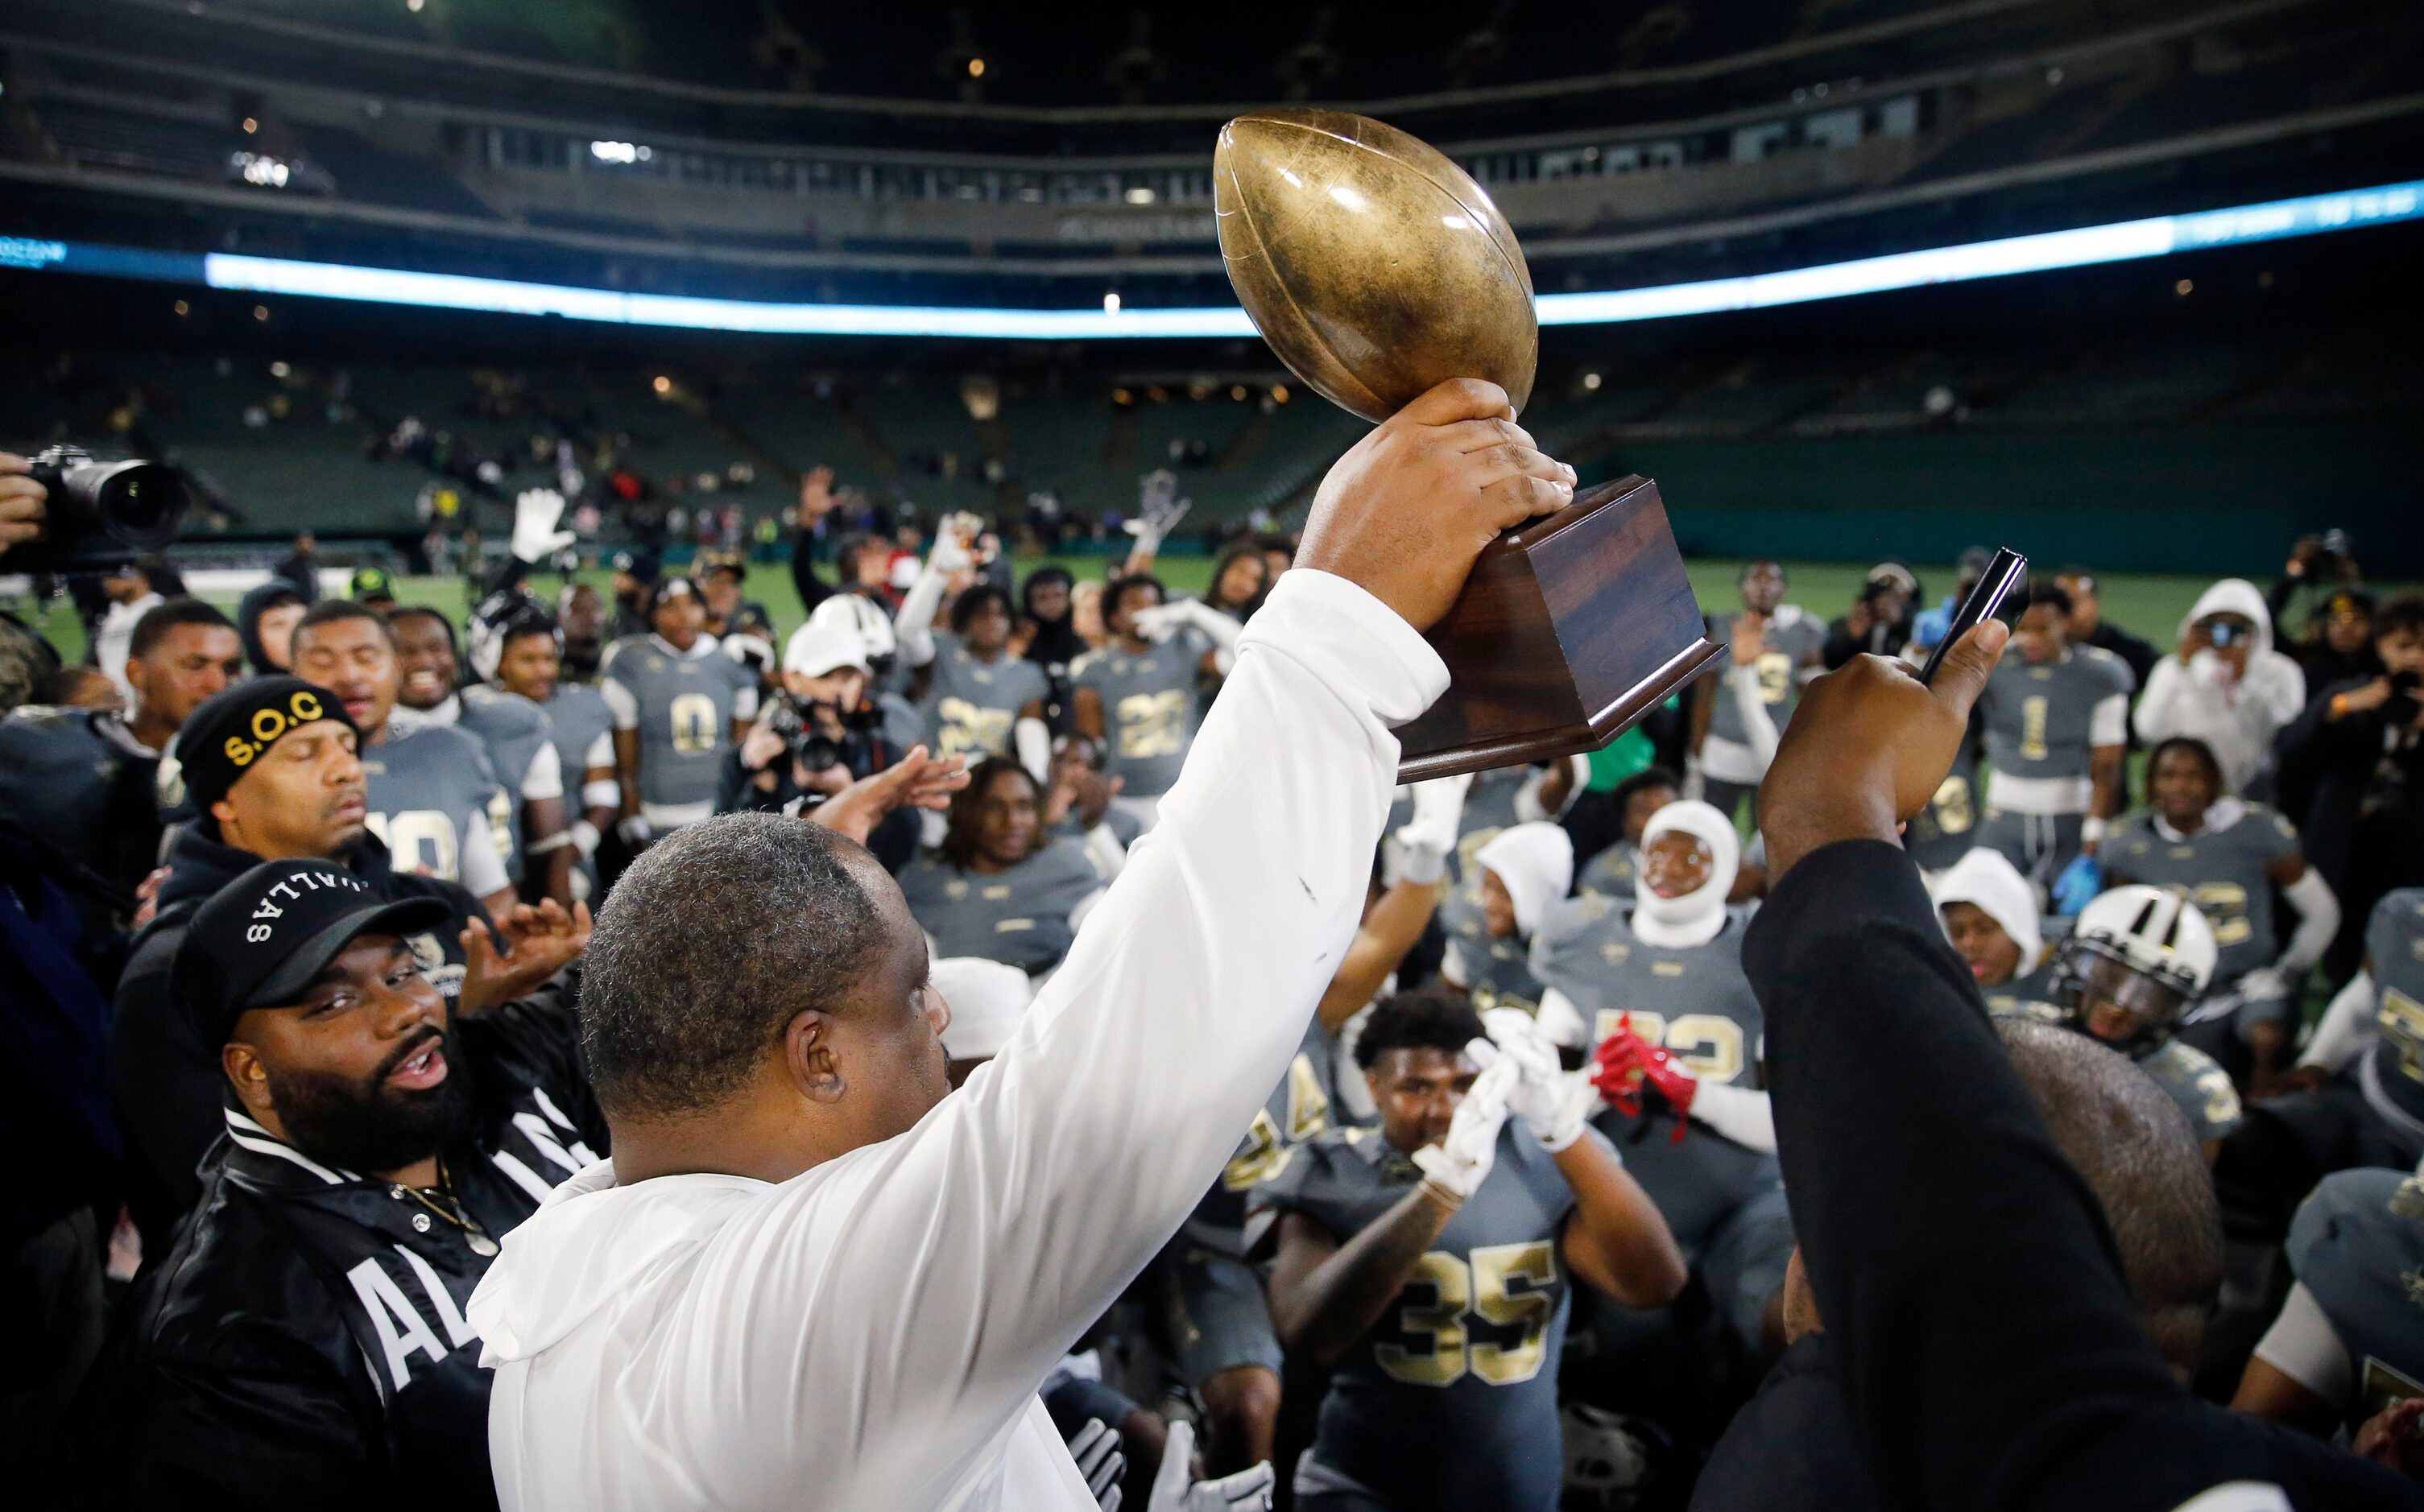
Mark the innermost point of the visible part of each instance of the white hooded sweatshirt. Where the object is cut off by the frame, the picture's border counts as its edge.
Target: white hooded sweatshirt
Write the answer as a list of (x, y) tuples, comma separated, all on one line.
[(2238, 718), (870, 1335)]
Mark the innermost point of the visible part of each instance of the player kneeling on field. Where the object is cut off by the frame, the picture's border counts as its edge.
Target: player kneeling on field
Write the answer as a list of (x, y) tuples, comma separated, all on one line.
[(2135, 962), (1426, 1260)]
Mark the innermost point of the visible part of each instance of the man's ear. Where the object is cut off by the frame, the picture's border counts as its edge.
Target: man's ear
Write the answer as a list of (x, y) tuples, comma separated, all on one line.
[(808, 1056), (242, 1064), (137, 675)]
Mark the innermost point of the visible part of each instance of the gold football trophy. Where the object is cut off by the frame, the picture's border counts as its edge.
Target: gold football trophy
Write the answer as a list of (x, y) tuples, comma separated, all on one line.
[(1378, 269)]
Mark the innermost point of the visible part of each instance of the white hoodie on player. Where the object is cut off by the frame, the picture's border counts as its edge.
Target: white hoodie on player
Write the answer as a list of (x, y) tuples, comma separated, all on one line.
[(871, 1333)]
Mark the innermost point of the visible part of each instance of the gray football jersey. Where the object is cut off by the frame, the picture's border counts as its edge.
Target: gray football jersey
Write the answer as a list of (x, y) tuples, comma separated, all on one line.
[(514, 730), (1696, 1001), (685, 716), (1789, 647), (576, 716), (1609, 875), (2394, 943), (971, 704), (1303, 1106), (1019, 918), (1498, 973), (1151, 709), (2358, 1246), (427, 790), (1944, 831), (2038, 718), (2201, 1088), (2223, 874), (1451, 1399)]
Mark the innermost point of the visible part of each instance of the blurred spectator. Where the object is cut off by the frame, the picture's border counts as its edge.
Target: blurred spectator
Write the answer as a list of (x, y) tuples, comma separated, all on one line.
[(635, 578), (129, 588), (372, 589), (2088, 626), (265, 620), (1052, 640), (2225, 685), (1238, 582), (79, 688), (1003, 885), (302, 567), (2337, 642), (1880, 620), (2359, 751)]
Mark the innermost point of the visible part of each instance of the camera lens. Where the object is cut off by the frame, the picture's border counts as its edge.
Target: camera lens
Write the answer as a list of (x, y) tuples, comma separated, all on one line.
[(139, 504)]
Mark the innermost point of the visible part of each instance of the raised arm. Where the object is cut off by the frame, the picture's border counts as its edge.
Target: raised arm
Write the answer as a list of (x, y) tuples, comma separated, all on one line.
[(940, 1274)]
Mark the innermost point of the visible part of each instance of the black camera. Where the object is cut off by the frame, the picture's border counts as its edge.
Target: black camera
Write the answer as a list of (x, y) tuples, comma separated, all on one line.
[(811, 748), (98, 514)]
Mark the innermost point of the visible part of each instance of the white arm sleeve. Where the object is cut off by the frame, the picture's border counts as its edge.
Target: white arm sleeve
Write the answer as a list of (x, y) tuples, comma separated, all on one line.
[(1528, 808), (914, 626), (600, 753), (2346, 1029), (2303, 1344), (2318, 920), (2108, 723), (483, 869), (1452, 966), (544, 778), (1759, 726), (2164, 686), (1033, 743), (620, 704), (745, 702), (845, 1321), (1741, 1114)]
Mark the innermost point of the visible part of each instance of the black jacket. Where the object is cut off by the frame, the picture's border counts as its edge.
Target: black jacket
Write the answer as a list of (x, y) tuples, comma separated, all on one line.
[(1791, 1445), (167, 1087), (303, 1343), (2326, 766), (1987, 1344)]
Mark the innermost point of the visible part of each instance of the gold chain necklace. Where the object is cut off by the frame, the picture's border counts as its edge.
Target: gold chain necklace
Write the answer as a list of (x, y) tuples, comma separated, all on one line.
[(475, 1235)]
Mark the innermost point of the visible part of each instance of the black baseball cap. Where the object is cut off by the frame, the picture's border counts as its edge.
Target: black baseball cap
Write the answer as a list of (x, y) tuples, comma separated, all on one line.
[(263, 939)]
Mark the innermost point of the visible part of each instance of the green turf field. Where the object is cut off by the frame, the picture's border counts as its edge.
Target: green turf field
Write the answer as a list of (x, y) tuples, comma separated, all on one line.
[(2150, 606)]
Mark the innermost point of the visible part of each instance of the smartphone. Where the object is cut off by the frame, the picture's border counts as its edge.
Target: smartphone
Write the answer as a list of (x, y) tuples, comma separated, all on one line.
[(2006, 572)]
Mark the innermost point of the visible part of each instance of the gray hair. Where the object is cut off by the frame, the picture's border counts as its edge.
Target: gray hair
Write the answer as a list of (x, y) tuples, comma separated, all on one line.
[(2133, 1147), (713, 941)]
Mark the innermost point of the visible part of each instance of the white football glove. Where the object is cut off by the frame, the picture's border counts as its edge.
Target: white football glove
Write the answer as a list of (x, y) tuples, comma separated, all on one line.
[(536, 537), (1162, 621), (1554, 1105), (1456, 1165), (2264, 985), (1430, 834), (953, 536), (1176, 1489), (1096, 1450)]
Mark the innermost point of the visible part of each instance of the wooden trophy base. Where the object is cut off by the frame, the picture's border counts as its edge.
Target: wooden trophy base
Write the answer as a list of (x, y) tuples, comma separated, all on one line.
[(1568, 632)]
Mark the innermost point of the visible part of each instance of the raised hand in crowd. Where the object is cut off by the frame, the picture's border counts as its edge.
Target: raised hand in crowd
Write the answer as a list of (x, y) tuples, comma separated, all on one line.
[(21, 501), (917, 780), (540, 940)]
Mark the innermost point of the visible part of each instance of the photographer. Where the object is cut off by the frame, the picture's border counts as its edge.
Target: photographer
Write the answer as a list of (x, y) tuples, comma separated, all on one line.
[(1880, 617), (2325, 562), (2359, 751), (817, 737), (2223, 684)]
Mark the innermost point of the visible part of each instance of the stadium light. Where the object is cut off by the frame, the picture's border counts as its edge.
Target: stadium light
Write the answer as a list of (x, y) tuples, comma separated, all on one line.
[(2084, 246)]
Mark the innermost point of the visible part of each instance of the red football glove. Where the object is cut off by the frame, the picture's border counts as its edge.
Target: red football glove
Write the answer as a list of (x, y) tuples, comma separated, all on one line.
[(1624, 1060)]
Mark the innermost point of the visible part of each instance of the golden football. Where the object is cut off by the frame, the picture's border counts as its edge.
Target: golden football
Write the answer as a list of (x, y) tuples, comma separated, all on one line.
[(1373, 265)]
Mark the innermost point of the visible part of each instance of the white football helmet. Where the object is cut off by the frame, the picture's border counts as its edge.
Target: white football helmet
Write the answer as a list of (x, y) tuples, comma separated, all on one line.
[(2144, 950)]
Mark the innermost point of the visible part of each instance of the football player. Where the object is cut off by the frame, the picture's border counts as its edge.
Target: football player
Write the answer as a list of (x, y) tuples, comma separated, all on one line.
[(2057, 728), (1140, 698), (680, 707), (1003, 885), (1213, 1315), (1610, 873), (975, 696), (2134, 964), (1087, 813), (532, 655), (2227, 856), (2360, 1097), (2350, 1340), (1777, 646), (1990, 915), (1659, 992), (1429, 1261), (433, 795), (1519, 875), (514, 729)]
